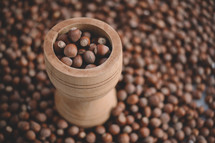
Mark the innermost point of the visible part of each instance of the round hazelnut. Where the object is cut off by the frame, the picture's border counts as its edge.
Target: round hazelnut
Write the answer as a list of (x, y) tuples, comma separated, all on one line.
[(45, 132), (23, 125), (100, 129), (123, 138), (30, 135), (180, 135), (74, 130), (114, 129), (62, 124), (35, 126), (69, 140), (158, 133), (70, 50), (85, 41), (121, 95), (77, 61), (133, 137), (155, 122), (66, 60), (132, 99), (91, 137), (107, 138), (74, 34), (144, 132), (58, 46), (89, 57), (101, 50), (87, 34)]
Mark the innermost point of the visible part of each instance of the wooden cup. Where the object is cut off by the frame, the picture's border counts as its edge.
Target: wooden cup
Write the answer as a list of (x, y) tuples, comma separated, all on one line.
[(84, 97)]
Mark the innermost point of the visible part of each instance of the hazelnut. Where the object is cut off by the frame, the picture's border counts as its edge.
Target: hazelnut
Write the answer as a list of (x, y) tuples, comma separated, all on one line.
[(85, 41), (81, 51), (100, 129), (91, 137), (90, 66), (92, 46), (158, 133), (102, 61), (127, 129), (77, 61), (89, 57), (101, 50), (23, 125), (45, 132), (133, 137), (132, 99), (74, 130), (63, 37), (144, 132), (102, 40), (70, 50), (155, 122), (114, 129), (123, 138), (67, 61), (58, 46), (121, 95), (30, 135), (62, 124), (87, 34), (41, 117), (35, 126), (74, 34), (69, 140), (107, 138)]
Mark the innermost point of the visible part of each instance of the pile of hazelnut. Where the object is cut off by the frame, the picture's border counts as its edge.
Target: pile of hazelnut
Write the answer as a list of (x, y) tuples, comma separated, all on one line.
[(81, 49), (168, 67)]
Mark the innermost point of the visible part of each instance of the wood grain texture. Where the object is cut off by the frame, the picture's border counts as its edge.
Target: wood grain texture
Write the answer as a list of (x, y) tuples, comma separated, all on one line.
[(84, 113), (84, 97)]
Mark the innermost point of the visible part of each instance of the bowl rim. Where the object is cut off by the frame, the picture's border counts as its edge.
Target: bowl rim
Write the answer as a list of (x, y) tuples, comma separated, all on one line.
[(75, 72)]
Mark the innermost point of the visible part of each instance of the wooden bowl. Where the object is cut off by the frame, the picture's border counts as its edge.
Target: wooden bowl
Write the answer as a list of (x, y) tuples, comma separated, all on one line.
[(84, 97)]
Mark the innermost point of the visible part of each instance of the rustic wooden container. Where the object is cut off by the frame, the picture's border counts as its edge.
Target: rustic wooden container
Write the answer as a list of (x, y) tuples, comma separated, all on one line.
[(84, 97)]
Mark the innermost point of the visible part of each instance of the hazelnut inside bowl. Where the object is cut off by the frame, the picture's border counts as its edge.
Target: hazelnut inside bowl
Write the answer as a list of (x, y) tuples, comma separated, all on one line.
[(82, 47)]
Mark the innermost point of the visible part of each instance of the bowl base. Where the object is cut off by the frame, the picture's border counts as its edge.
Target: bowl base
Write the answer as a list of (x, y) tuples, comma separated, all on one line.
[(86, 113)]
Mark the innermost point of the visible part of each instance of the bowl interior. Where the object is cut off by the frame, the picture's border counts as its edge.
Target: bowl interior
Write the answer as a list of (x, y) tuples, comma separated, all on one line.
[(94, 30)]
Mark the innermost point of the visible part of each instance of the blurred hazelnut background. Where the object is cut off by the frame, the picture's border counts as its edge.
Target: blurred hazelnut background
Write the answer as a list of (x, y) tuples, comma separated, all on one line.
[(169, 67)]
